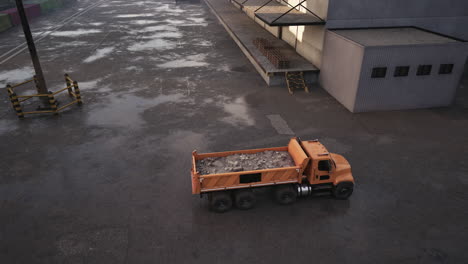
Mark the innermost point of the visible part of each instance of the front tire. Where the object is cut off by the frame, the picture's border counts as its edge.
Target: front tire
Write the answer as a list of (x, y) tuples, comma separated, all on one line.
[(285, 194), (343, 190), (220, 202)]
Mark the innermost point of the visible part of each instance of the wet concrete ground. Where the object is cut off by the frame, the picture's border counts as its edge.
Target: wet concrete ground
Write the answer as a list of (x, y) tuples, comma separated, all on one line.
[(110, 182)]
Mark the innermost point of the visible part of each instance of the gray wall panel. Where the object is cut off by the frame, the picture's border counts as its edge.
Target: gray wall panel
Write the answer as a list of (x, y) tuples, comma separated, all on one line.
[(391, 93), (341, 68)]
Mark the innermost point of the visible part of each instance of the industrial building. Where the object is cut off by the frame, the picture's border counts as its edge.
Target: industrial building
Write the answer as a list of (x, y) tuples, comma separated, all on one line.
[(391, 68), (418, 50)]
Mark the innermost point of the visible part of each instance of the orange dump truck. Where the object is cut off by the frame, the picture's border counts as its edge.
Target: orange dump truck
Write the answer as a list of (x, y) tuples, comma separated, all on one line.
[(315, 170)]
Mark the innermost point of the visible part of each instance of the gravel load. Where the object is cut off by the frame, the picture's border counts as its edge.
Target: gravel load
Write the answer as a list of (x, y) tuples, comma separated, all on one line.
[(245, 162)]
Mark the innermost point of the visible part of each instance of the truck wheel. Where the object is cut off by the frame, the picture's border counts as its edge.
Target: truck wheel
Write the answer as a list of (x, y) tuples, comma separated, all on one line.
[(343, 190), (245, 199), (220, 202), (285, 194)]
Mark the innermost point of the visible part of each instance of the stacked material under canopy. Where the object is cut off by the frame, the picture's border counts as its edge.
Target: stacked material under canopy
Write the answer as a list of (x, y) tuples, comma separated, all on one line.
[(273, 54), (245, 162)]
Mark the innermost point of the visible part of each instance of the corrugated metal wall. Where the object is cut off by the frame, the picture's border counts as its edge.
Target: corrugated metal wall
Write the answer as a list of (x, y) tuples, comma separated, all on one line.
[(412, 91)]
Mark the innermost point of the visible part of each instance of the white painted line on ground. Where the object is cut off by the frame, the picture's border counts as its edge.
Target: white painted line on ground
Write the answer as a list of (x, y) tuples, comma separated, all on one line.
[(280, 125)]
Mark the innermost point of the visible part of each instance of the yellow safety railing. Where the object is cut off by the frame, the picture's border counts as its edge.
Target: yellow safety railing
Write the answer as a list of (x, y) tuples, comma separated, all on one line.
[(16, 100)]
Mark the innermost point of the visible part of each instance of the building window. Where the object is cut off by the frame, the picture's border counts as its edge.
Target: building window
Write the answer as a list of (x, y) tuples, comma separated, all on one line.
[(424, 70), (401, 71), (379, 72), (446, 69)]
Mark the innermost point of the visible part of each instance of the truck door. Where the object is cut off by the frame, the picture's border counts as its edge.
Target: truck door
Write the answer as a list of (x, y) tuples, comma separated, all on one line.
[(322, 173)]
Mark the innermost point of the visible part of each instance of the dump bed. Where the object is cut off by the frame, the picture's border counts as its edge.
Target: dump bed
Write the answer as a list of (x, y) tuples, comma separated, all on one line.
[(253, 178)]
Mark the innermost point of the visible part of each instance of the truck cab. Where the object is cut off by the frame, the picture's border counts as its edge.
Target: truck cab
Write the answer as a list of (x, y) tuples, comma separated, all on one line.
[(326, 171)]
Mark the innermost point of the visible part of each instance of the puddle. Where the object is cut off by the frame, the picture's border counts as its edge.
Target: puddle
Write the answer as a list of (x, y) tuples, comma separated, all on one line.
[(109, 12), (96, 24), (224, 68), (15, 76), (168, 9), (39, 33), (175, 21), (70, 44), (135, 15), (238, 111), (208, 100), (7, 126), (155, 44), (181, 141), (158, 28), (74, 33), (144, 22), (164, 35), (104, 89), (134, 68), (193, 24), (99, 54), (131, 4), (198, 20), (191, 21), (126, 110), (89, 84), (190, 61), (204, 43)]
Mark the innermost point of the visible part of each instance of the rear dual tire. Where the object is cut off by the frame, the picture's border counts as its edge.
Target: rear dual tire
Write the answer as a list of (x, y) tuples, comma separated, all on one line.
[(244, 199), (221, 202)]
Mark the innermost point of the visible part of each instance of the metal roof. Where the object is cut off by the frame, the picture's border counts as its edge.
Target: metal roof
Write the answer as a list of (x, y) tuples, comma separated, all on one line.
[(393, 36)]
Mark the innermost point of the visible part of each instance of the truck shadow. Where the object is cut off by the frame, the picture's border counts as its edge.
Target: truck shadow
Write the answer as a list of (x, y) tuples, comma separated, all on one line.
[(312, 207)]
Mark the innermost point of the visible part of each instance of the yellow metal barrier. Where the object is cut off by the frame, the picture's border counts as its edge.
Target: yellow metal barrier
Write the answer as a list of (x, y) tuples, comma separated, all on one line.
[(16, 100)]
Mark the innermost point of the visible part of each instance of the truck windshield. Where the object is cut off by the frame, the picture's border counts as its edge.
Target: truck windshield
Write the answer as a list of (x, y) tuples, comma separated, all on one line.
[(325, 165)]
